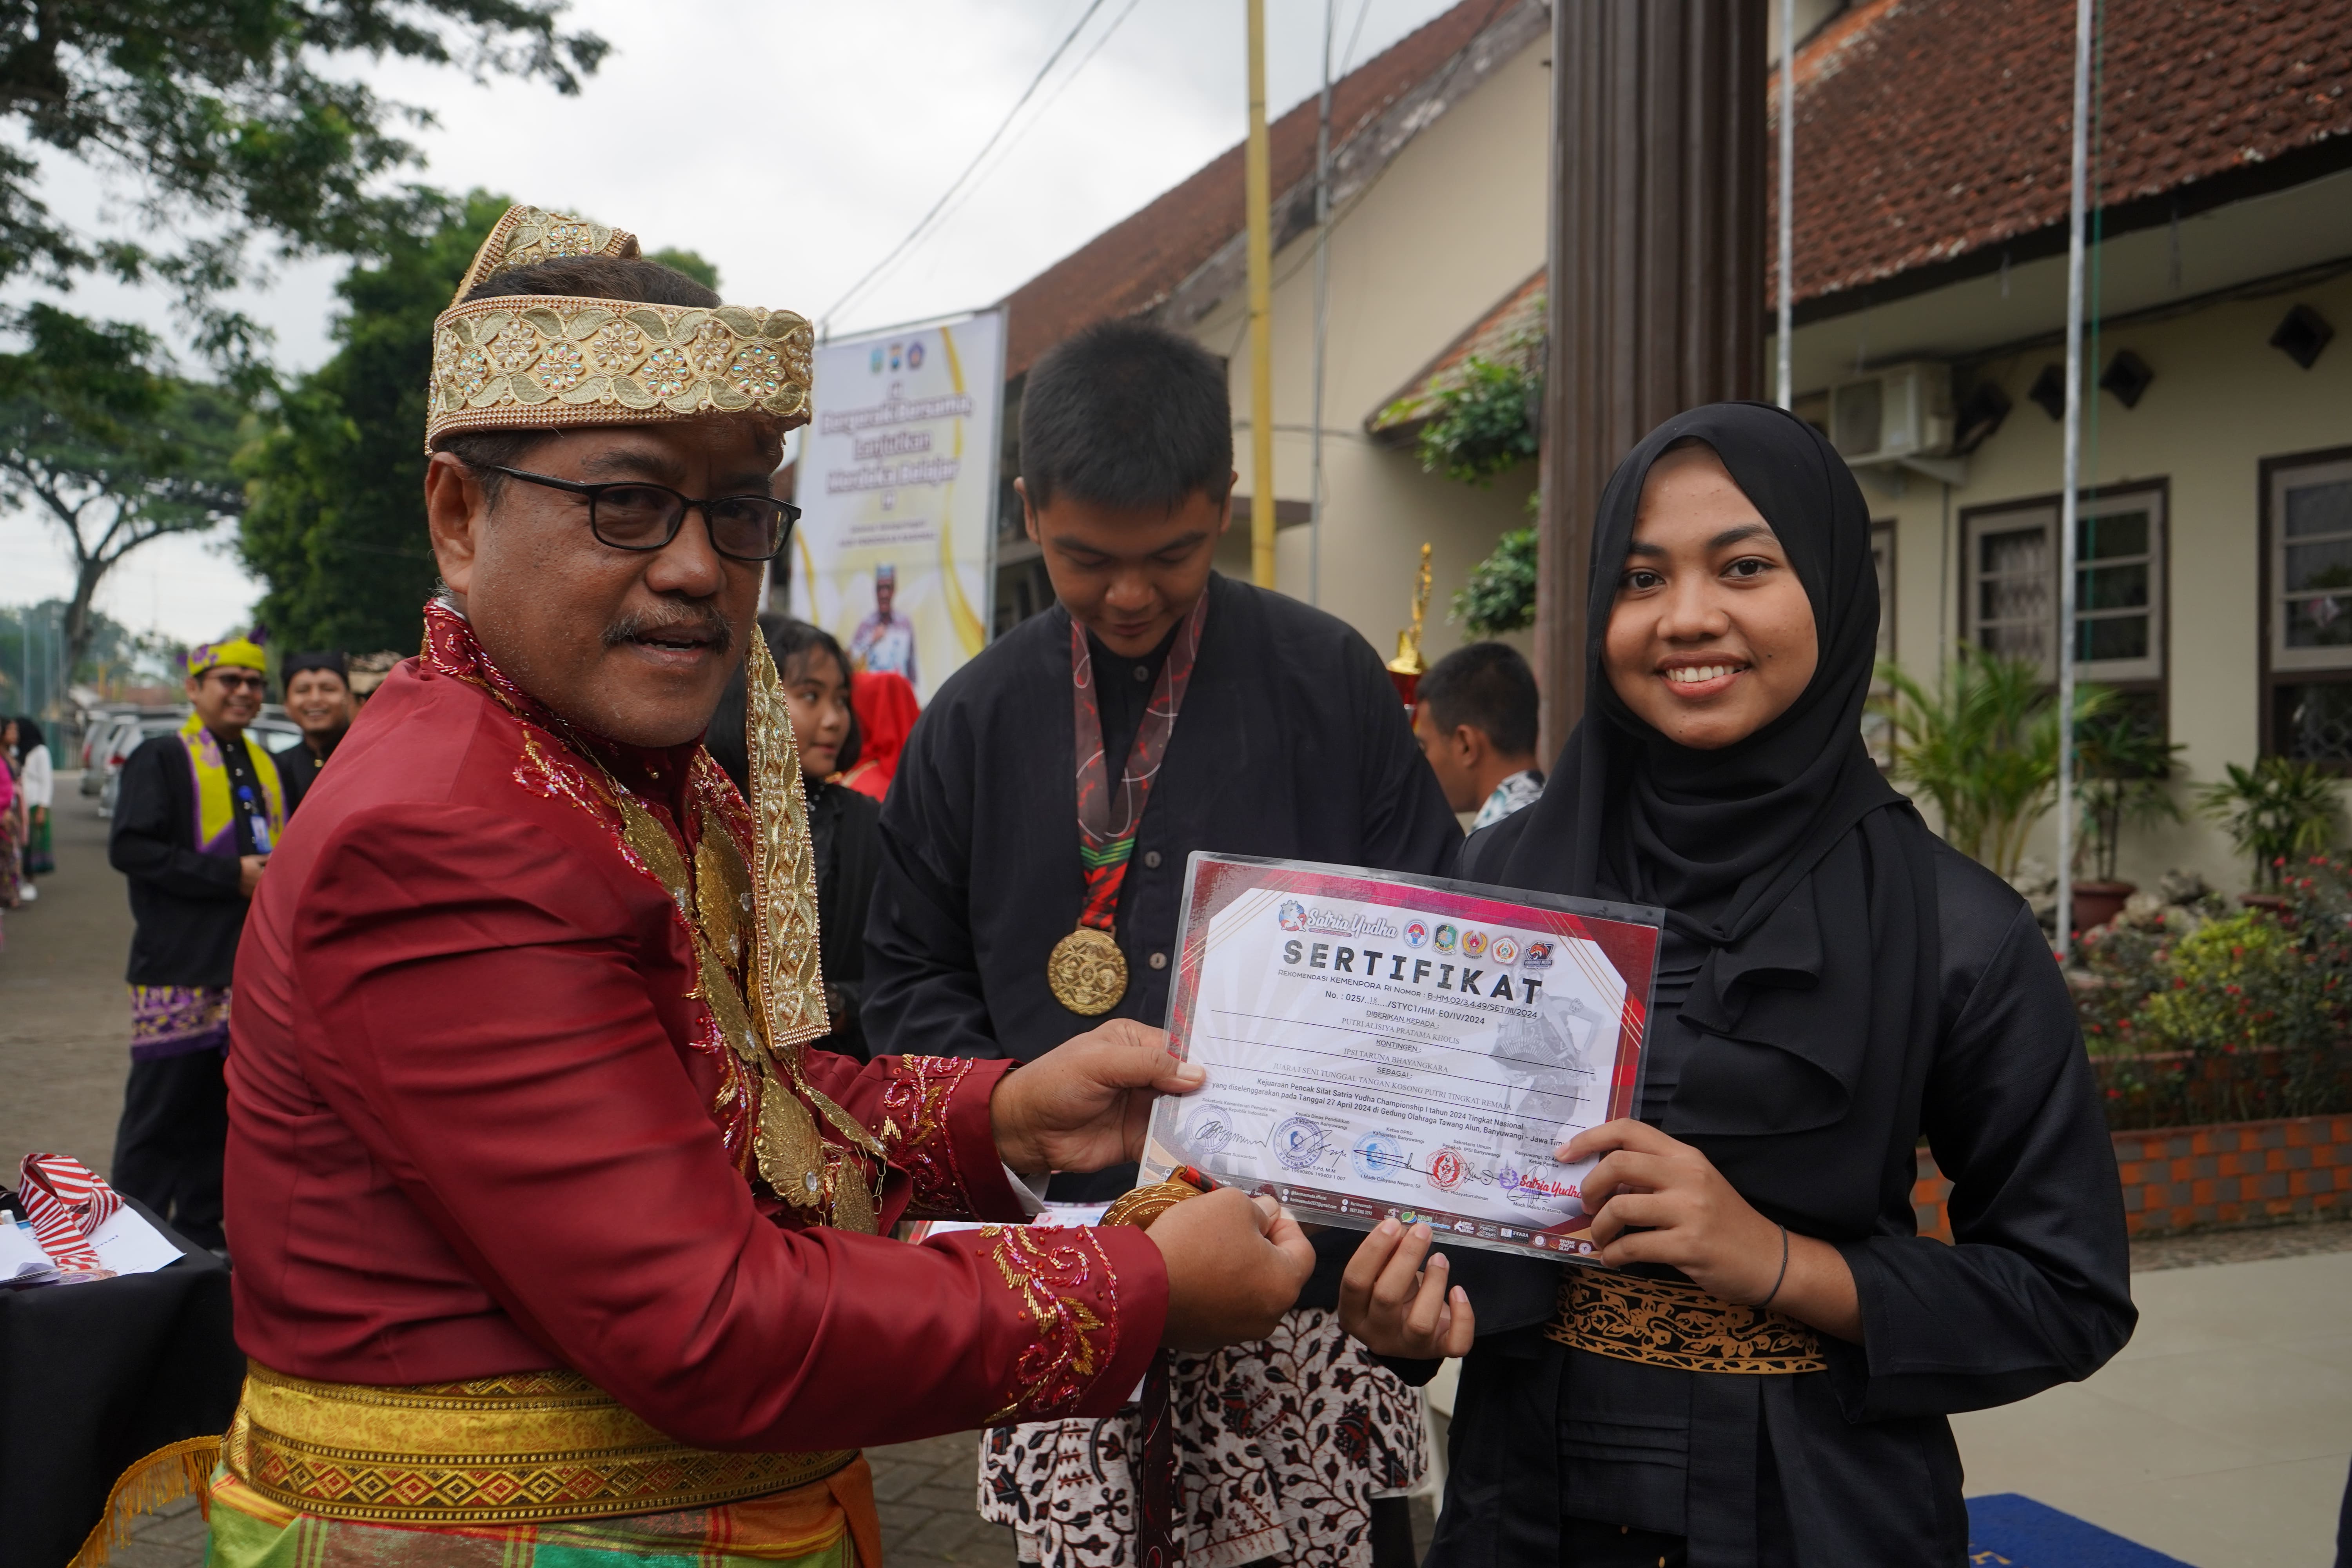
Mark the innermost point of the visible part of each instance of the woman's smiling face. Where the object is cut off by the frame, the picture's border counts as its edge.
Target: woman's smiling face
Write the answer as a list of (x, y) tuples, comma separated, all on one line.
[(1711, 636)]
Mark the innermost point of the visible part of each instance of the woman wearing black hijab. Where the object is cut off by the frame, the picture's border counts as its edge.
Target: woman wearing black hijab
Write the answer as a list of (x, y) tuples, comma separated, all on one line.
[(1835, 984)]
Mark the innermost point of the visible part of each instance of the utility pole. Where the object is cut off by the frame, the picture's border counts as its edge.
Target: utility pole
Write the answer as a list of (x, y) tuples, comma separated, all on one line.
[(1656, 290), (1260, 198)]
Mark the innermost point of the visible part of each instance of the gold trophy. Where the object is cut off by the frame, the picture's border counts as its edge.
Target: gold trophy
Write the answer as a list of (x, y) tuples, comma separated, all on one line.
[(1407, 668)]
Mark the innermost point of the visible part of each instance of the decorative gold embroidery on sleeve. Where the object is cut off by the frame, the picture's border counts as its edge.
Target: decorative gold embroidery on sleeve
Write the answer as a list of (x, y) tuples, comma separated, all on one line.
[(1054, 1272), (915, 1134)]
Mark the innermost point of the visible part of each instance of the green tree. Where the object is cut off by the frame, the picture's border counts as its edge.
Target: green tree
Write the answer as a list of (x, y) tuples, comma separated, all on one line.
[(100, 435), (335, 527), (219, 120), (689, 262)]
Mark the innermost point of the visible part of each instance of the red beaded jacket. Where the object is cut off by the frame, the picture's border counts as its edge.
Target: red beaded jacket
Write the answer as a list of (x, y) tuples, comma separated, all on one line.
[(480, 1122)]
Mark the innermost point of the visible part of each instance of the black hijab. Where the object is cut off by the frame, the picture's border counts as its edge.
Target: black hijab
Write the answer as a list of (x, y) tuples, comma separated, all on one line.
[(1805, 878)]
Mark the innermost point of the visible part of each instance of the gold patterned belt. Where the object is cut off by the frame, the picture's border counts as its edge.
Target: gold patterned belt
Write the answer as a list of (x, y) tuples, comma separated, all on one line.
[(1666, 1322), (525, 1446)]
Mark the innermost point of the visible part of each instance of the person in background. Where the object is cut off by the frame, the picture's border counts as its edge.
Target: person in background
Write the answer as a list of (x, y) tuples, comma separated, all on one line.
[(1476, 720), (884, 640), (844, 825), (886, 711), (1058, 780), (12, 807), (319, 699), (37, 782), (198, 813)]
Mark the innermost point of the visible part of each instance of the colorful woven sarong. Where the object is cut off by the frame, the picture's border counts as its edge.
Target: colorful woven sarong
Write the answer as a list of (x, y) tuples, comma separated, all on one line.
[(808, 1527), (173, 1020)]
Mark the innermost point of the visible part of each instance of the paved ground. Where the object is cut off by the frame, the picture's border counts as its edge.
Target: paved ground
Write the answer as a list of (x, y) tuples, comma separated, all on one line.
[(2220, 1435), (64, 1015)]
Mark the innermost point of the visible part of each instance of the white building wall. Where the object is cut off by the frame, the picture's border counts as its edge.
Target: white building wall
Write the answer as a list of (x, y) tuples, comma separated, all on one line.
[(1453, 225), (2223, 400)]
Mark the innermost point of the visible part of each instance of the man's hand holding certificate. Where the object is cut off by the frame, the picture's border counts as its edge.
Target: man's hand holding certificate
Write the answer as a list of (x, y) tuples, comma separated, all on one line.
[(1384, 1047)]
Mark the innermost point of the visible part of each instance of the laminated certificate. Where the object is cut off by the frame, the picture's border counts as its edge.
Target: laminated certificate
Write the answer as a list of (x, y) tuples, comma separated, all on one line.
[(1382, 1045)]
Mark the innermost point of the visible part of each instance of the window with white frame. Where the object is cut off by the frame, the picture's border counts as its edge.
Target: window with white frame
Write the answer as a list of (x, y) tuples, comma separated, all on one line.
[(2309, 510), (2010, 603)]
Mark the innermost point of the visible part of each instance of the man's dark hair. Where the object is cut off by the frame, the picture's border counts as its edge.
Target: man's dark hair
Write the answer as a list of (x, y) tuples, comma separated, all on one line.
[(1126, 416), (1489, 687), (632, 279)]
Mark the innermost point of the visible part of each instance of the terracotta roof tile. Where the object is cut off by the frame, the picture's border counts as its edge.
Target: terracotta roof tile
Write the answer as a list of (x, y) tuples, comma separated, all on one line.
[(1136, 263), (1511, 331), (1931, 130)]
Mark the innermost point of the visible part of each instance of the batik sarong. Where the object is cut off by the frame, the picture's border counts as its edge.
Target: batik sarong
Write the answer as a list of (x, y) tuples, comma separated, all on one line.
[(172, 1020), (1281, 1447)]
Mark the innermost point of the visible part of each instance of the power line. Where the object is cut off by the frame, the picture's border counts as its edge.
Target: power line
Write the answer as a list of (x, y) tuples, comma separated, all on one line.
[(1044, 109), (915, 233)]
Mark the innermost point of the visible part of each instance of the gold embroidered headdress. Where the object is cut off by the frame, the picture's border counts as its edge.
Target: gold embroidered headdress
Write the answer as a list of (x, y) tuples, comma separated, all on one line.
[(515, 362)]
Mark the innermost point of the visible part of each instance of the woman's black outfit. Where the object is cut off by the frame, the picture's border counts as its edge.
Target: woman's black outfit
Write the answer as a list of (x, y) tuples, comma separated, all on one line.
[(845, 832), (1835, 984)]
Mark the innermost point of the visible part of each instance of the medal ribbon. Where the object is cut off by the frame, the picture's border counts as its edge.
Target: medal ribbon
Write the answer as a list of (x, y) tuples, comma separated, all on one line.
[(66, 1202), (1108, 819)]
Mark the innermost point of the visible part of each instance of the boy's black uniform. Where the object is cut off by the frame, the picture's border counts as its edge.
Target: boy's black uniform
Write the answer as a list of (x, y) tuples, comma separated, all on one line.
[(1290, 742)]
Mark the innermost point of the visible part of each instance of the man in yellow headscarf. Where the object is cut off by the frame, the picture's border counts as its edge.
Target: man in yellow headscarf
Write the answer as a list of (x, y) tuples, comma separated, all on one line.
[(197, 815), (555, 1241)]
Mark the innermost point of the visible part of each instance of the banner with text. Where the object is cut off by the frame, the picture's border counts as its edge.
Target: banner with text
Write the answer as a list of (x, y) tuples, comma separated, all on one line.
[(898, 494)]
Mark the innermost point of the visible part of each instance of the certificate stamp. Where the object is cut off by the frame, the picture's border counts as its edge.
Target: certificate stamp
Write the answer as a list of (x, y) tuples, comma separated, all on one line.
[(1381, 1158), (1298, 1142), (1385, 1045)]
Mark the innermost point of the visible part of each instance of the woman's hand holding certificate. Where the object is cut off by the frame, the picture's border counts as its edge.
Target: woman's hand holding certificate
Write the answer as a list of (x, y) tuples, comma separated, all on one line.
[(1655, 1199), (1400, 1306)]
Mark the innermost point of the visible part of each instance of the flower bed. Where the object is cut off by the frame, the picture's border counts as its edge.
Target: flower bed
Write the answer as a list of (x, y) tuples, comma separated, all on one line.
[(2199, 1011), (2187, 1178)]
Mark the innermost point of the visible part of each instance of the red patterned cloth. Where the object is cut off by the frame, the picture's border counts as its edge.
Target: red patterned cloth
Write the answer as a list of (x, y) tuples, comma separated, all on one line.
[(481, 1121), (66, 1202)]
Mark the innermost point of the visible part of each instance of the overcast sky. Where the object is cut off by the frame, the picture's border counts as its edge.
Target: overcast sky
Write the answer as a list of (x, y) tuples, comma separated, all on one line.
[(793, 143)]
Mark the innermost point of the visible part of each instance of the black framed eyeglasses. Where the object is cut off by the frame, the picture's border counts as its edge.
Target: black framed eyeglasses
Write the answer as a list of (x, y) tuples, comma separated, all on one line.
[(634, 515)]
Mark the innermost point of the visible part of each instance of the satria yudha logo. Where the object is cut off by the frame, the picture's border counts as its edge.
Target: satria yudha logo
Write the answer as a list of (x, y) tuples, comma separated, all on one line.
[(1294, 916)]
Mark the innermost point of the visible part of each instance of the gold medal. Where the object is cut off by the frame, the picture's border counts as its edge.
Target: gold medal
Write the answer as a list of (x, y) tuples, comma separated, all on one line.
[(1086, 973)]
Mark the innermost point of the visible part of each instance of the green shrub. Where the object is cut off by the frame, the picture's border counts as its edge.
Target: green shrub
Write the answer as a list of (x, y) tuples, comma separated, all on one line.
[(1501, 593)]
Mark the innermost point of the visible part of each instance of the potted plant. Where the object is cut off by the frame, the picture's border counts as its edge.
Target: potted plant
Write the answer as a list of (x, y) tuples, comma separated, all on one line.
[(1982, 745), (2125, 775), (2277, 810)]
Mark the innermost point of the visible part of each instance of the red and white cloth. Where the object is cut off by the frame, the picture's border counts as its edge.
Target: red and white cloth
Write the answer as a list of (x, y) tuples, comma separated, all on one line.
[(66, 1202)]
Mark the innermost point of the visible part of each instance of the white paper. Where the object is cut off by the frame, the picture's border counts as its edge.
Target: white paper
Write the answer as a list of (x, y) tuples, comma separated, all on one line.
[(22, 1261), (127, 1244)]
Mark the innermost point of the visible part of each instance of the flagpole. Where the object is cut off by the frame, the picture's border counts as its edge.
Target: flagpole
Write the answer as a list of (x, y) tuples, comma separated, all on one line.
[(1786, 385), (2069, 500), (1259, 194)]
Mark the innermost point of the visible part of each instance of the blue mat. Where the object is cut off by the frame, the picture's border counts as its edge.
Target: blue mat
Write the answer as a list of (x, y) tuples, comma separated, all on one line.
[(2008, 1529)]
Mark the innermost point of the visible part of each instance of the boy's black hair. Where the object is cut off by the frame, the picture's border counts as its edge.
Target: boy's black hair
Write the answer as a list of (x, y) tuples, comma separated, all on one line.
[(1489, 687), (1126, 416)]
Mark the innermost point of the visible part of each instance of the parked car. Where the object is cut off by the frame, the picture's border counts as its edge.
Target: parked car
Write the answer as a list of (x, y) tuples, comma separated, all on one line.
[(114, 734)]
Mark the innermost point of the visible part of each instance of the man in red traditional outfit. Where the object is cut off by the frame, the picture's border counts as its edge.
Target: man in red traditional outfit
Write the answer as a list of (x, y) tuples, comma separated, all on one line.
[(548, 1231)]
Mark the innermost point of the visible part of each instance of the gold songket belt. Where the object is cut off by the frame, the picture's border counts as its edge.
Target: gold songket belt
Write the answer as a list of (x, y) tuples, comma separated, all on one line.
[(526, 1446), (1666, 1322)]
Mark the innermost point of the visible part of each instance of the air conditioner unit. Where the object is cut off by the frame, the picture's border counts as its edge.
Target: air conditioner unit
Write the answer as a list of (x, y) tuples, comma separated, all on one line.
[(1894, 416)]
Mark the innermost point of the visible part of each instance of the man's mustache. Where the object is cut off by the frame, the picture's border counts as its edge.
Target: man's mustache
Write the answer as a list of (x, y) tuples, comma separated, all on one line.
[(639, 623)]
